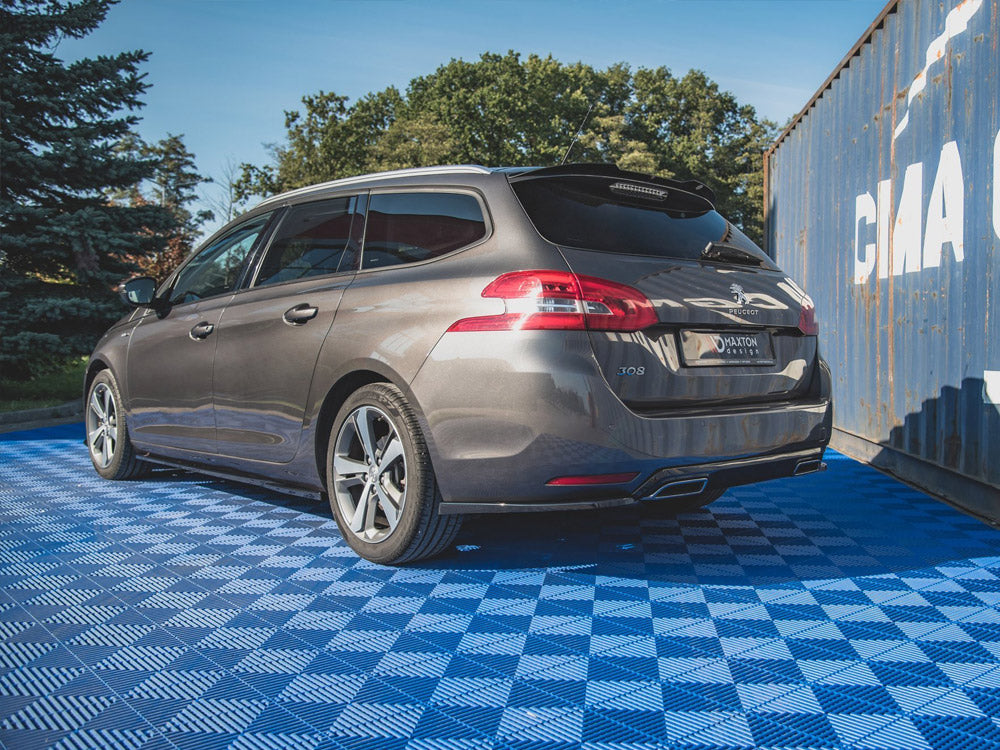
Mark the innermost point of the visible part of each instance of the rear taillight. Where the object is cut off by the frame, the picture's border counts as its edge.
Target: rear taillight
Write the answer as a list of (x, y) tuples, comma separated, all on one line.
[(560, 300), (585, 479), (807, 318)]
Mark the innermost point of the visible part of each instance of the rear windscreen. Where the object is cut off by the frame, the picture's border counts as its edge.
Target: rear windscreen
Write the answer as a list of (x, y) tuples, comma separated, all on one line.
[(623, 216)]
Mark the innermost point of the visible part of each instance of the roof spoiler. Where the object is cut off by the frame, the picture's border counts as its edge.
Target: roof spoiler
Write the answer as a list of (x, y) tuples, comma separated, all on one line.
[(610, 170)]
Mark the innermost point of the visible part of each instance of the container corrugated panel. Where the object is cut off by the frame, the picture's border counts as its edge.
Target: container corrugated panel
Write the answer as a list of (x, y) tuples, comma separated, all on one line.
[(883, 201)]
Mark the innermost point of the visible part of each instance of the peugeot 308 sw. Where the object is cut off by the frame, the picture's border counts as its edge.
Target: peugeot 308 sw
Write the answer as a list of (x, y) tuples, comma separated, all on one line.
[(427, 343)]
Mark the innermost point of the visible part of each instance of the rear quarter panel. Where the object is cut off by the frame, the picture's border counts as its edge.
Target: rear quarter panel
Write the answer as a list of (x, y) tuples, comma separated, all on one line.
[(391, 318)]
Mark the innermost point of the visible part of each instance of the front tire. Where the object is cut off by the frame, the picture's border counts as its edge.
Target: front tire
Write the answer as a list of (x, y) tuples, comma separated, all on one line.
[(108, 440), (380, 480)]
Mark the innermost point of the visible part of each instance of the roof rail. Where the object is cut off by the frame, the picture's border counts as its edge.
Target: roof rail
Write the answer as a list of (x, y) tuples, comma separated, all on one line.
[(346, 181)]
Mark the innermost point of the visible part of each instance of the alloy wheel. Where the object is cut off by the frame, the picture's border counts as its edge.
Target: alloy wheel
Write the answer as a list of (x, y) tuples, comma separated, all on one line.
[(102, 425), (369, 474)]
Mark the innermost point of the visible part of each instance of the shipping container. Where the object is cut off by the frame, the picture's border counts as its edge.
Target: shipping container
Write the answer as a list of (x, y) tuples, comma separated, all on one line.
[(882, 200)]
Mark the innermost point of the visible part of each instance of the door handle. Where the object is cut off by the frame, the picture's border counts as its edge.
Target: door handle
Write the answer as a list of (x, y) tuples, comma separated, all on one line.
[(202, 330), (300, 314)]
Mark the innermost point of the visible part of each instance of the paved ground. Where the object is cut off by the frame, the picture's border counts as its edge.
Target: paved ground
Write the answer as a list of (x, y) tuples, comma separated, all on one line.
[(838, 610)]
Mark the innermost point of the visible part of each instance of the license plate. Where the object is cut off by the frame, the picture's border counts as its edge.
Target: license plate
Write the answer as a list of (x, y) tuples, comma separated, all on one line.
[(715, 348)]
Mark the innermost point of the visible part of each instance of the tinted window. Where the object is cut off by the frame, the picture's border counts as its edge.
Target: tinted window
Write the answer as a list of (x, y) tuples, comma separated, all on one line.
[(618, 216), (311, 241), (410, 227), (216, 269)]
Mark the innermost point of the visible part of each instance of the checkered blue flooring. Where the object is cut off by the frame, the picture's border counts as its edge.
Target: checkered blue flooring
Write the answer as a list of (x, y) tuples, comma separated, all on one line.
[(841, 610)]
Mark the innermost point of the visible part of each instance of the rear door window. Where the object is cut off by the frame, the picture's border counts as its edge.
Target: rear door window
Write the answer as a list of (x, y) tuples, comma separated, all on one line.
[(312, 240), (615, 215), (411, 227)]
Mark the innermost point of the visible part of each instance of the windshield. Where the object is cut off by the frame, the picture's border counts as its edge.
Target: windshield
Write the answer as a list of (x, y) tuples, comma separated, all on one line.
[(616, 215)]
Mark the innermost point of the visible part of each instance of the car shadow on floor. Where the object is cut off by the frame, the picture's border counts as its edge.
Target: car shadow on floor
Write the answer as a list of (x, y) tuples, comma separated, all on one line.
[(847, 522)]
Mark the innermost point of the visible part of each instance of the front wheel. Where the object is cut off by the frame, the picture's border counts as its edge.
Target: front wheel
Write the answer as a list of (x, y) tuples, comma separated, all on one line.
[(380, 481), (108, 441)]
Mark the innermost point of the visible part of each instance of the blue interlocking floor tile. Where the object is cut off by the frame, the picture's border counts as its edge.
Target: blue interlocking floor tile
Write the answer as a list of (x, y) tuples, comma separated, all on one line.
[(841, 610)]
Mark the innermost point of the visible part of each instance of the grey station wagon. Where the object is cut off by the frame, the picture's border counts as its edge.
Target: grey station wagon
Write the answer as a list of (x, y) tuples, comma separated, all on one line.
[(427, 343)]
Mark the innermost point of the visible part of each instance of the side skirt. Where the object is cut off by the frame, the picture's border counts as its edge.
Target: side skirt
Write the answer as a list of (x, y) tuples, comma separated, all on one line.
[(235, 476)]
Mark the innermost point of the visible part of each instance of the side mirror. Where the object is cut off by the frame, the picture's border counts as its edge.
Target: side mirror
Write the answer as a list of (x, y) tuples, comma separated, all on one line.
[(138, 292)]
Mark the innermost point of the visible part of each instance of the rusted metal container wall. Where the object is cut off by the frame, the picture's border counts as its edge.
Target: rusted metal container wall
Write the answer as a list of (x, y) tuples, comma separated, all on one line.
[(882, 200)]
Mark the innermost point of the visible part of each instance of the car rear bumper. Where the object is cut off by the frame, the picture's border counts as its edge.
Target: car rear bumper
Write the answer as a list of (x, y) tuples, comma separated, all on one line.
[(506, 413), (674, 482)]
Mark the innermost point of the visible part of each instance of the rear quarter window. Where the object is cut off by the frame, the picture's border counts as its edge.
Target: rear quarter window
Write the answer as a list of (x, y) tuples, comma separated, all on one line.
[(412, 227)]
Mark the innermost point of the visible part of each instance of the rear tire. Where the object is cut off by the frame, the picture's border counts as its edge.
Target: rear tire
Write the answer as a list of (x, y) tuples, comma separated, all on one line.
[(380, 481), (108, 440), (671, 507)]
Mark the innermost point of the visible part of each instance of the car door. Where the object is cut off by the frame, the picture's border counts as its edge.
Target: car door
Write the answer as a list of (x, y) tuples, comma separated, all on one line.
[(172, 351), (270, 334)]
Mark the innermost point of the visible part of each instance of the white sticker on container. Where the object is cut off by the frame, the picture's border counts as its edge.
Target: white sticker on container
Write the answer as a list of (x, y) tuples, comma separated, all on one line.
[(991, 386)]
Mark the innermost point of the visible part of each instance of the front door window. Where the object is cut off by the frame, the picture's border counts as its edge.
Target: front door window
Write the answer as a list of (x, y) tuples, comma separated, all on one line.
[(217, 269)]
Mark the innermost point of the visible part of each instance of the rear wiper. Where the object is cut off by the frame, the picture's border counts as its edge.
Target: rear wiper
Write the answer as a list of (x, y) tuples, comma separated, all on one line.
[(723, 251)]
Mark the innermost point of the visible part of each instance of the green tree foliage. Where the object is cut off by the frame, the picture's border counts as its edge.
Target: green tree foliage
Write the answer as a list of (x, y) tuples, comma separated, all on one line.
[(330, 138), (173, 185), (175, 182), (505, 110), (697, 132), (64, 242)]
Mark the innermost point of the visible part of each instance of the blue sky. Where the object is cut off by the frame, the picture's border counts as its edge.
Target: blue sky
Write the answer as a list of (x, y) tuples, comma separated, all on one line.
[(223, 71)]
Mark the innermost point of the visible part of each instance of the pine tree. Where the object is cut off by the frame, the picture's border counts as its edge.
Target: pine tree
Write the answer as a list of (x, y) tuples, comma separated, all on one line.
[(63, 242), (175, 182), (173, 186)]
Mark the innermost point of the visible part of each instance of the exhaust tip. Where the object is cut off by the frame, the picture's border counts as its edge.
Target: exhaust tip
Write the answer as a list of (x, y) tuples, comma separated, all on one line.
[(680, 488), (809, 467)]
